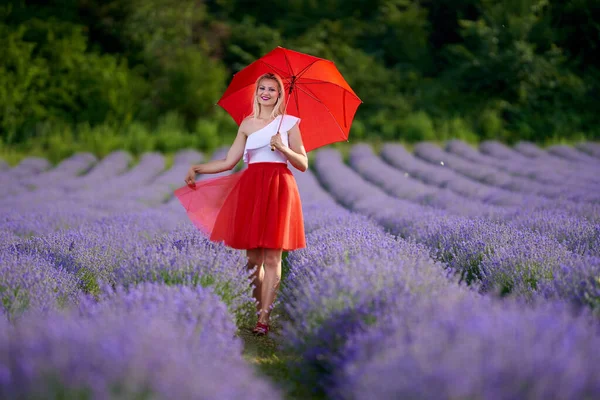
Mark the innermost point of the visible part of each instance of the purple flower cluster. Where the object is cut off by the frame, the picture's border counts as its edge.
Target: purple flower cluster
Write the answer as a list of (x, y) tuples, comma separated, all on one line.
[(109, 291), (28, 281), (534, 153), (572, 154), (457, 347), (404, 185), (577, 233), (438, 175), (590, 148), (152, 341), (349, 270), (372, 316), (579, 282), (539, 178), (67, 169), (526, 190), (501, 257)]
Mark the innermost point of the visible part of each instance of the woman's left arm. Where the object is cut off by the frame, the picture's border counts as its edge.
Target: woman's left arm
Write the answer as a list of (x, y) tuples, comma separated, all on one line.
[(295, 152)]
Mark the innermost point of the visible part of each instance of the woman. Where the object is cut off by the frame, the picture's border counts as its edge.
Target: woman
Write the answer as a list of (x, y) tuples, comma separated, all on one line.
[(258, 209)]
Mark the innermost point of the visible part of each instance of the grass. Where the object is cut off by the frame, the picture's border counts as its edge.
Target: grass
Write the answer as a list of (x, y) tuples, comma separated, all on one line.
[(271, 360)]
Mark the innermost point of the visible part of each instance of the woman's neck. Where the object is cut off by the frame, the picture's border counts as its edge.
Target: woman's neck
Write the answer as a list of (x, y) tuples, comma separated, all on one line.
[(265, 112)]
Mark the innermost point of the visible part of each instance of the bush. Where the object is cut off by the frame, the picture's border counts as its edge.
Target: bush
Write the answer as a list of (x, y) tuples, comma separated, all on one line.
[(455, 128), (49, 76), (417, 127)]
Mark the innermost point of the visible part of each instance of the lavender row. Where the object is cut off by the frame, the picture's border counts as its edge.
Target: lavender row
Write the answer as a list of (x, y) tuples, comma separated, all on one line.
[(523, 173), (161, 188), (502, 156), (402, 184), (71, 200), (577, 234), (523, 188), (372, 315), (64, 188), (70, 250), (590, 148), (532, 151), (347, 272), (120, 239), (525, 151), (29, 281), (152, 341), (441, 176), (534, 162), (109, 179), (571, 277), (27, 167), (149, 246), (573, 155), (70, 168), (458, 347), (502, 258), (540, 164), (555, 153)]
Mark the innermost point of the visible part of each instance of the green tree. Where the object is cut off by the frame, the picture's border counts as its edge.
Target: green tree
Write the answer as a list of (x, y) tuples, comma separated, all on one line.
[(499, 60), (48, 75)]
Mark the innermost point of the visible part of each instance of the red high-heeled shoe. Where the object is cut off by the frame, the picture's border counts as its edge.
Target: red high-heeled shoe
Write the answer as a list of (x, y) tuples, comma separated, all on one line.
[(261, 329)]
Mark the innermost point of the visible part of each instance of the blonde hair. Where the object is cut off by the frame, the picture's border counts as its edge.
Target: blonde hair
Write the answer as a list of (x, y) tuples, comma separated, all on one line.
[(279, 107)]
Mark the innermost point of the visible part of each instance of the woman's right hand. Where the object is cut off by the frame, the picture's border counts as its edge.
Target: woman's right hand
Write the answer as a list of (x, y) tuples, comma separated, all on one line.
[(190, 178)]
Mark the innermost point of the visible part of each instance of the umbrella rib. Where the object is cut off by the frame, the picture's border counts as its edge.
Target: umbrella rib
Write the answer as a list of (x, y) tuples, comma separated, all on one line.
[(327, 108), (297, 102), (312, 95), (306, 69), (279, 70), (289, 64), (318, 82)]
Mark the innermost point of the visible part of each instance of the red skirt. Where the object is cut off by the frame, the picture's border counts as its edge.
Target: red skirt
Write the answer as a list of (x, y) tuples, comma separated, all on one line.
[(258, 207)]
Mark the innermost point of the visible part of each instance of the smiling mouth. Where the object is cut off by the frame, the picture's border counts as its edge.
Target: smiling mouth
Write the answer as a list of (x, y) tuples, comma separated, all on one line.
[(265, 98)]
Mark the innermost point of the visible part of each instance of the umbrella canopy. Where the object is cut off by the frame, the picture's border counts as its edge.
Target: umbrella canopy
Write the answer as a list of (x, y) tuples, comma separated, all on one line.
[(315, 91)]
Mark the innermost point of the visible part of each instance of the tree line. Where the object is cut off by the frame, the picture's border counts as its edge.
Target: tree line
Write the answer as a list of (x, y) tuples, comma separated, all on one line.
[(426, 70)]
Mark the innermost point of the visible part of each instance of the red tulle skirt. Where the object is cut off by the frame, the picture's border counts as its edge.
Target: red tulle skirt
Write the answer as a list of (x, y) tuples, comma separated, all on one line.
[(258, 207)]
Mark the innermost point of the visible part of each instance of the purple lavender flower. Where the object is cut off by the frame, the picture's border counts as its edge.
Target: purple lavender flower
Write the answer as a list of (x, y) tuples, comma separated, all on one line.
[(29, 282), (590, 148), (150, 341), (460, 347)]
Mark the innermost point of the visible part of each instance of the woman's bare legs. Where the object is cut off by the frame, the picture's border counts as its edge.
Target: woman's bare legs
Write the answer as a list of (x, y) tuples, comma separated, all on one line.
[(270, 283), (256, 258)]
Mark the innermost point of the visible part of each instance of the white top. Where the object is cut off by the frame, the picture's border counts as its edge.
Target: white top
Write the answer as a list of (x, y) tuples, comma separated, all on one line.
[(258, 148)]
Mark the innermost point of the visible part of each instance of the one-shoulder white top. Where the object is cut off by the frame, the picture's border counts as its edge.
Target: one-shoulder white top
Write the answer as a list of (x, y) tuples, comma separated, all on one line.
[(258, 147)]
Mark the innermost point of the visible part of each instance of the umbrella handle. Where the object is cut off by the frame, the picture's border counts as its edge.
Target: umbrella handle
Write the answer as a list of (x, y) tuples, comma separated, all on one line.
[(284, 110)]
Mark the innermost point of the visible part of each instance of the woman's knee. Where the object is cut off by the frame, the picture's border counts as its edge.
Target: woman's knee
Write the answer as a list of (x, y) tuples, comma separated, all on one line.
[(255, 257), (272, 258)]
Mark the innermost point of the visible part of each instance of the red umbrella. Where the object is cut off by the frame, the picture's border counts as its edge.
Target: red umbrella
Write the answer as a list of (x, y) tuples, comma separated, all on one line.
[(316, 92)]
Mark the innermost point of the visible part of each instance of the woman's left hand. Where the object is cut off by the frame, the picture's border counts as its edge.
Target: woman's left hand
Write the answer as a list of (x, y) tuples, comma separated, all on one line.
[(276, 141)]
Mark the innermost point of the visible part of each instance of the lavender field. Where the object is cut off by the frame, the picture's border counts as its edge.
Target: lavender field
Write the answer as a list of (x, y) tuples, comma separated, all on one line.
[(441, 273)]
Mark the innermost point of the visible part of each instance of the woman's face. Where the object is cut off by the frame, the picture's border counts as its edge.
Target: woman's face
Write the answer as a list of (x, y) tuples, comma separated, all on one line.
[(267, 92)]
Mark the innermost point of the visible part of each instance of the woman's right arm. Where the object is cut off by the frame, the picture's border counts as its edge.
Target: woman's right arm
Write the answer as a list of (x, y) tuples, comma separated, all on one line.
[(235, 153)]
